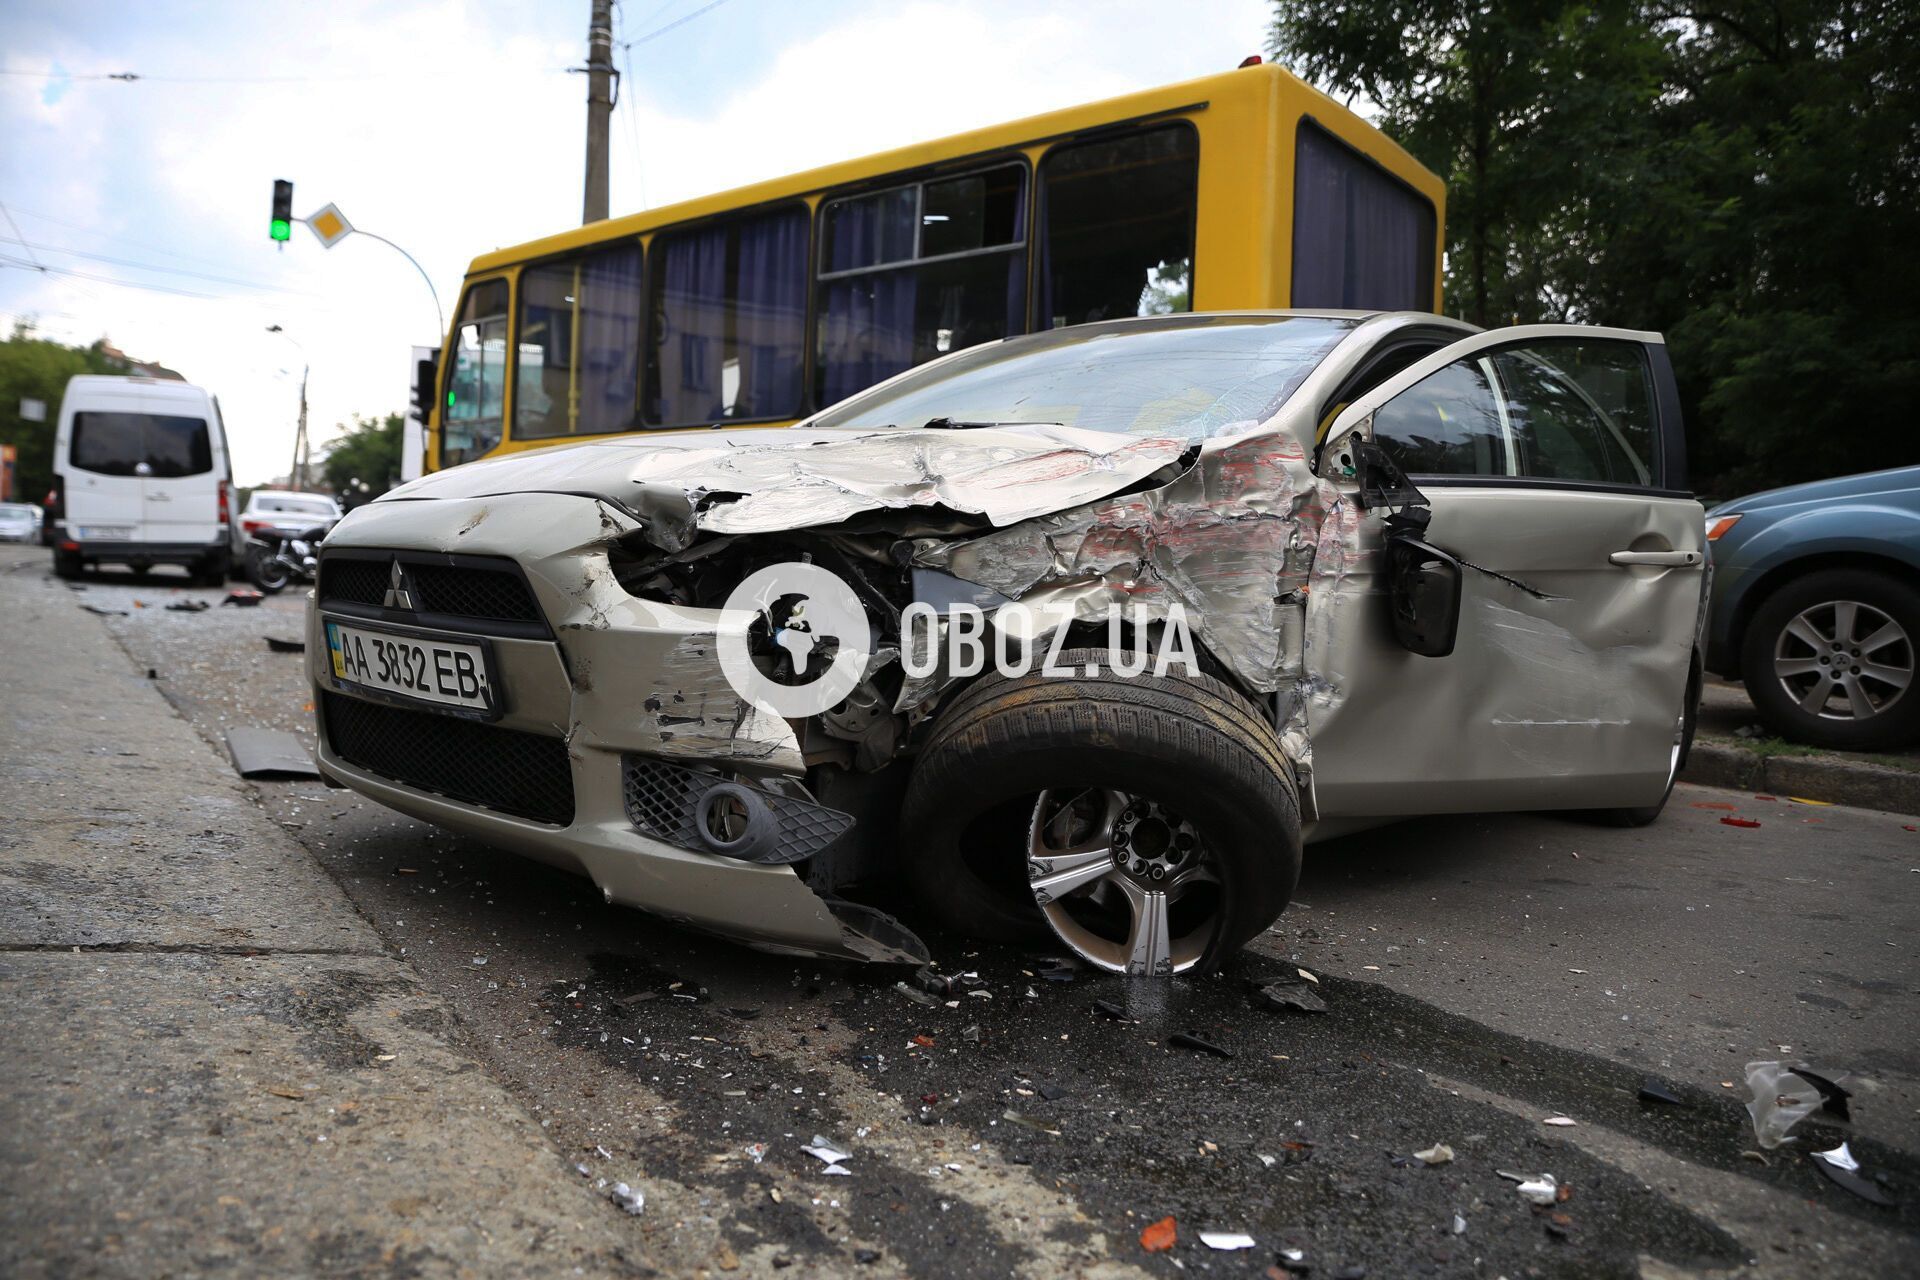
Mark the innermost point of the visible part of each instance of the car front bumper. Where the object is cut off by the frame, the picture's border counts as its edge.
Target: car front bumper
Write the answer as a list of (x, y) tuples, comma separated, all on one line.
[(616, 679)]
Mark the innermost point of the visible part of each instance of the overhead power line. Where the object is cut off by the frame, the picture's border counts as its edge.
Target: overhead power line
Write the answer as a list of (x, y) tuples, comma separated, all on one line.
[(657, 32), (6, 260), (148, 266)]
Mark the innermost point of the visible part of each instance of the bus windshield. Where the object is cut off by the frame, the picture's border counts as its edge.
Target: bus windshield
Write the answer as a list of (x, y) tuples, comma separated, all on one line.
[(1198, 377)]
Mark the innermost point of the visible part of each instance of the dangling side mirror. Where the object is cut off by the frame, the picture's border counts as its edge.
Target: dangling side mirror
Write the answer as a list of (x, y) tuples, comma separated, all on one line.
[(1423, 590)]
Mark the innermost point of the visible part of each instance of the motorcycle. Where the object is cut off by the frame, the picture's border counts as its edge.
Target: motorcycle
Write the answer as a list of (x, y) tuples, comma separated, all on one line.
[(276, 559)]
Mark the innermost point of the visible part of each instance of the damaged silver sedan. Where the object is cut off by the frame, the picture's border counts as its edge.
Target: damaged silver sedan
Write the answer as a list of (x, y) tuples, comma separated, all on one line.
[(1407, 567)]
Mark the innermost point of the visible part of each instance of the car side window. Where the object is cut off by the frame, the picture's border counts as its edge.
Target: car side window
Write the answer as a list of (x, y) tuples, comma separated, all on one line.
[(1561, 409)]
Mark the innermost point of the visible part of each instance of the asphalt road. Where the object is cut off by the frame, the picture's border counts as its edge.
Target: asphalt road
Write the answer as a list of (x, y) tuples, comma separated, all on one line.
[(1481, 975)]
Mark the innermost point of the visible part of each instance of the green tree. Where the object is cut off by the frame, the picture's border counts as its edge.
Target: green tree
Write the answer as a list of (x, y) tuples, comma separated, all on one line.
[(365, 461), (36, 368), (1744, 180)]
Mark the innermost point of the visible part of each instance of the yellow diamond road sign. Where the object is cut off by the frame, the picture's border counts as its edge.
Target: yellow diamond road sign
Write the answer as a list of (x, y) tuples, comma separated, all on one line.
[(330, 225)]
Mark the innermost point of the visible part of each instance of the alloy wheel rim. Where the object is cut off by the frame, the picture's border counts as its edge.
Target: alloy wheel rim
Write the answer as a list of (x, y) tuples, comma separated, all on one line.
[(1126, 882), (1844, 660)]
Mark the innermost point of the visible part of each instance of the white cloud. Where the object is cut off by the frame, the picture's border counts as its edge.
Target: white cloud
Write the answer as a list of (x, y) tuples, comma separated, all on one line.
[(454, 135)]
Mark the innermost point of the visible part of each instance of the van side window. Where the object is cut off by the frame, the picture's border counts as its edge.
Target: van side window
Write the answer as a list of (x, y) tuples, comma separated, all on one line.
[(579, 345), (1118, 222), (1361, 237), (914, 272), (115, 444), (728, 303), (476, 386)]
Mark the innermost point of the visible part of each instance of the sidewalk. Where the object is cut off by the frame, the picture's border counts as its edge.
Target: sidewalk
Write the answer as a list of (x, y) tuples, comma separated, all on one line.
[(1732, 750), (213, 1065)]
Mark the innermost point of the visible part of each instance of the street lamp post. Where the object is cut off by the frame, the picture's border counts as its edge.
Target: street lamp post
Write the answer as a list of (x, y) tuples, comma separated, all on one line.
[(296, 474)]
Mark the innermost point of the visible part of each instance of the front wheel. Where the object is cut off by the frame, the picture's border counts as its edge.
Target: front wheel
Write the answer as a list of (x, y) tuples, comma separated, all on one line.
[(1149, 823), (1829, 659), (266, 570)]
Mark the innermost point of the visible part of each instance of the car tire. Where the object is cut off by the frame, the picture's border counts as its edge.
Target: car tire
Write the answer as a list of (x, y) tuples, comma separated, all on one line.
[(1185, 742), (67, 565), (1800, 623)]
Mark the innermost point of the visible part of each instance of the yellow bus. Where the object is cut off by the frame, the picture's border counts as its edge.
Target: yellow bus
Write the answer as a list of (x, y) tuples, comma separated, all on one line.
[(1247, 189)]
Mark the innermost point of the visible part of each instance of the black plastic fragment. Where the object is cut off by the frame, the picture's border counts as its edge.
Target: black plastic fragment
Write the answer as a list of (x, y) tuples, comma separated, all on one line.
[(1111, 1010), (188, 606), (1182, 1040), (1833, 1099), (279, 645), (1298, 996), (1652, 1090), (1864, 1188)]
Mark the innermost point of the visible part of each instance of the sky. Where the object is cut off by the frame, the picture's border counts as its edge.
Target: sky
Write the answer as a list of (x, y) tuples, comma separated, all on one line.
[(453, 127)]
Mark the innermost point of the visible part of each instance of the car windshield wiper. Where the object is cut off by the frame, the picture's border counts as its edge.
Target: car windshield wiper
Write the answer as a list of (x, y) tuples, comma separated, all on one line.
[(955, 424)]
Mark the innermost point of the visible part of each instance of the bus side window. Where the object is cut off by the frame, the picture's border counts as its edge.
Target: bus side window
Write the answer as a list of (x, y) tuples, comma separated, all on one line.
[(916, 271), (476, 385), (1362, 239), (728, 306), (1118, 215), (579, 345)]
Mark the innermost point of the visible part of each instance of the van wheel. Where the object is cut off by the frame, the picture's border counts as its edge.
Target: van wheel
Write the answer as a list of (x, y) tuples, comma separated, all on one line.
[(1151, 824), (211, 572), (67, 565)]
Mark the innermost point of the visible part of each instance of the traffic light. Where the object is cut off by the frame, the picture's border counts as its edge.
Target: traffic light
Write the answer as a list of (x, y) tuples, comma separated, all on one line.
[(425, 374), (282, 225)]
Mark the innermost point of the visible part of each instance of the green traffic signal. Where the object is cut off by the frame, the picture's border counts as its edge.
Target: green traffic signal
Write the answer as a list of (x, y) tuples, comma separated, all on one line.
[(280, 223)]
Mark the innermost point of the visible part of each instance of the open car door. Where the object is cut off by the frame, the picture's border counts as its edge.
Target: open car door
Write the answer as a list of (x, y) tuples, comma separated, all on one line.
[(1547, 465)]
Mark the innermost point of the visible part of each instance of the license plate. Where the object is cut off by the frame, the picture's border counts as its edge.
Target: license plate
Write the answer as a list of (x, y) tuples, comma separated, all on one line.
[(105, 532), (419, 668)]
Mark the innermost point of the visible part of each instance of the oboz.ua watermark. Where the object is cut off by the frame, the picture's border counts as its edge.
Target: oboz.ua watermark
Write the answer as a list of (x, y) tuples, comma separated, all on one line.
[(794, 640)]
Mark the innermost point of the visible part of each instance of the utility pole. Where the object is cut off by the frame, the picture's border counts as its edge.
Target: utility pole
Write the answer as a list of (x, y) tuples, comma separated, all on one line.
[(300, 450), (599, 108)]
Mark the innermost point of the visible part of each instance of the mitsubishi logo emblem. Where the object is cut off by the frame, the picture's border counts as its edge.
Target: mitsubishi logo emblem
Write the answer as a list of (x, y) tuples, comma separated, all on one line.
[(399, 589)]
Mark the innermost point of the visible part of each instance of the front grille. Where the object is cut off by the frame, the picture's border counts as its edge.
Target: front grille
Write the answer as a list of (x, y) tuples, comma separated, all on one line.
[(523, 774), (457, 590), (662, 800)]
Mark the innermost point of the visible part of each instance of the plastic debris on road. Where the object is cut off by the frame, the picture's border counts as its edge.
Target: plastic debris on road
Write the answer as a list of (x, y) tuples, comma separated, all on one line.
[(1459, 1225), (1225, 1239), (188, 606), (1159, 1237), (1841, 1157), (1781, 1099), (1560, 1122), (1738, 822), (825, 1152), (280, 644), (244, 597), (1652, 1090), (1438, 1153), (1541, 1189), (918, 997), (1182, 1040), (1291, 993), (630, 1199)]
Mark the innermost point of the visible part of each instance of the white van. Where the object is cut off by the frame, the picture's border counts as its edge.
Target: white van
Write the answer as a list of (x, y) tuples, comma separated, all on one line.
[(141, 477)]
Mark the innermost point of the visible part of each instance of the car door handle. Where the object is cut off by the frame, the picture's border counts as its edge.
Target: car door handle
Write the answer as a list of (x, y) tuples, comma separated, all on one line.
[(1671, 559)]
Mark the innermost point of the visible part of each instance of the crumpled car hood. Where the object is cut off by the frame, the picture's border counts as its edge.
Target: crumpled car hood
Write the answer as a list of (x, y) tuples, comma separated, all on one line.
[(770, 480)]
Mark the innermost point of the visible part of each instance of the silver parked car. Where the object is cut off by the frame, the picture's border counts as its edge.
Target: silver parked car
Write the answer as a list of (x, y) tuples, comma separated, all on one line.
[(1077, 633), (19, 522)]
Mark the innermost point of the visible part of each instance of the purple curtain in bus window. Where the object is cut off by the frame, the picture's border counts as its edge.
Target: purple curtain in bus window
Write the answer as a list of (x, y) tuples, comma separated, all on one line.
[(770, 314), (692, 295), (609, 339), (868, 326), (1361, 238)]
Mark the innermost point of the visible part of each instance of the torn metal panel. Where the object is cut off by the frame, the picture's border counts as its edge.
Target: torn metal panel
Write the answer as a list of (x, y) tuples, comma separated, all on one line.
[(768, 482), (1231, 540)]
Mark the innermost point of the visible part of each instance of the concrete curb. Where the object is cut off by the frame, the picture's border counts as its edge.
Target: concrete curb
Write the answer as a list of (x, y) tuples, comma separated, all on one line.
[(1835, 779)]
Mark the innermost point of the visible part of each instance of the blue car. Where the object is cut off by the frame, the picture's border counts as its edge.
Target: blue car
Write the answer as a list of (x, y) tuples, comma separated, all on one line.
[(1816, 607)]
